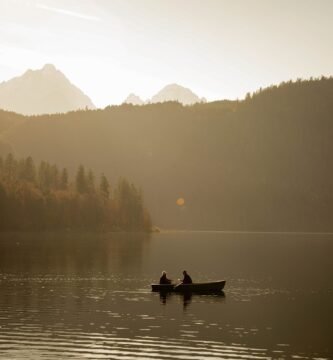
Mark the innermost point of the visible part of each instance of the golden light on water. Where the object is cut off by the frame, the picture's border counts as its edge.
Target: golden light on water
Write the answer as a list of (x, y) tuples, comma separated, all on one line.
[(180, 202)]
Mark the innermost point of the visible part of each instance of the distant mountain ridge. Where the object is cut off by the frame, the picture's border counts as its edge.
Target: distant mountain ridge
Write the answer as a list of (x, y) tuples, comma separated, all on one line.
[(175, 92), (48, 91), (171, 92), (43, 91), (134, 100)]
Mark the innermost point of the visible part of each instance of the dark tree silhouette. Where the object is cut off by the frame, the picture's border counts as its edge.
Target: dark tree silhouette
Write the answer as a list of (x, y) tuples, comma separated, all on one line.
[(50, 202)]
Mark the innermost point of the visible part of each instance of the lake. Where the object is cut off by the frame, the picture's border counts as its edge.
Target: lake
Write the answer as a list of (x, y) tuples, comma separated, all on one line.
[(88, 296)]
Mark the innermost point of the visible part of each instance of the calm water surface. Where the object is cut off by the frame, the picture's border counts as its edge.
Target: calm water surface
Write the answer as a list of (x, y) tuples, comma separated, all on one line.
[(88, 296)]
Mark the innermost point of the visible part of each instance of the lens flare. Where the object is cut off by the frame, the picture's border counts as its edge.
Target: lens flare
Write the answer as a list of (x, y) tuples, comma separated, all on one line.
[(180, 202)]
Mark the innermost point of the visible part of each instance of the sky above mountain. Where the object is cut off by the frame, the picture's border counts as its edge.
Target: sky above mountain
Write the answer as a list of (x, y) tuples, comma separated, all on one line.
[(217, 48)]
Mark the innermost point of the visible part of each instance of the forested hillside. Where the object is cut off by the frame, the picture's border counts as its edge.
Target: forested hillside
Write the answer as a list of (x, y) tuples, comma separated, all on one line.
[(45, 198), (264, 163)]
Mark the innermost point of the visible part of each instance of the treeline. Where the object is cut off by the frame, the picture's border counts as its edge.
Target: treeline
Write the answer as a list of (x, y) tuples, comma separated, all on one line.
[(295, 89), (44, 197)]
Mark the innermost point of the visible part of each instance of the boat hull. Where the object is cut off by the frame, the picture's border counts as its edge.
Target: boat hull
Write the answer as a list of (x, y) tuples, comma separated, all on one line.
[(162, 287), (206, 287), (214, 286)]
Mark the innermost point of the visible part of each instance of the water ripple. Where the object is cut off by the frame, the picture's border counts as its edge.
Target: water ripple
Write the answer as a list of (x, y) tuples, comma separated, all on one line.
[(57, 345)]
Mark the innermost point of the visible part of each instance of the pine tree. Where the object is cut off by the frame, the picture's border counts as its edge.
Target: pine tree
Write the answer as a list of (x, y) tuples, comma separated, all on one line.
[(29, 173), (81, 183), (44, 176), (10, 167), (104, 187), (64, 179), (54, 176), (90, 182)]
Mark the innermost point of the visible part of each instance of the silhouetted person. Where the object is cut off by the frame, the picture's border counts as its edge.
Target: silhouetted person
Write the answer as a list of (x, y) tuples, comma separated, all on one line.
[(187, 278), (164, 279)]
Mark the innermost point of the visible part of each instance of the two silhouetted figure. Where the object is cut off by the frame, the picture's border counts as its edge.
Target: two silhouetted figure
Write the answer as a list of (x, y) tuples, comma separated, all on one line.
[(186, 280)]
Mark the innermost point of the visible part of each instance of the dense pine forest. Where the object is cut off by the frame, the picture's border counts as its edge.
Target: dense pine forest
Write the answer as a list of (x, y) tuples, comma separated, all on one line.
[(44, 197), (263, 163)]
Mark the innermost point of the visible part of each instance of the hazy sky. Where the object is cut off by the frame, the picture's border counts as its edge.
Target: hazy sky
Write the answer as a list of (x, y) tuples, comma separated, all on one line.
[(218, 48)]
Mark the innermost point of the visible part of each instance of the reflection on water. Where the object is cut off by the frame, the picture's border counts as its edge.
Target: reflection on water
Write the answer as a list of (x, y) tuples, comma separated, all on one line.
[(88, 296), (186, 297)]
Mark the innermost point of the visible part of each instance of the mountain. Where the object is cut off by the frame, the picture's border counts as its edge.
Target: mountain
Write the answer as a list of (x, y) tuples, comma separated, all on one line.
[(259, 164), (171, 92), (174, 92), (43, 91), (133, 99)]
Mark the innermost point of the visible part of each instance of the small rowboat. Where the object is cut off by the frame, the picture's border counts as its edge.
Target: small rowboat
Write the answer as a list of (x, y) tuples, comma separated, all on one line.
[(205, 287)]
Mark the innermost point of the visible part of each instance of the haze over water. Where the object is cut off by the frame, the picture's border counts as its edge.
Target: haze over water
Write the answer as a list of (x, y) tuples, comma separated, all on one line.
[(88, 296)]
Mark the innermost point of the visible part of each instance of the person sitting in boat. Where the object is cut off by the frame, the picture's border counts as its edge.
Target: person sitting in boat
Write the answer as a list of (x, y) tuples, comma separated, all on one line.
[(164, 279), (187, 278)]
